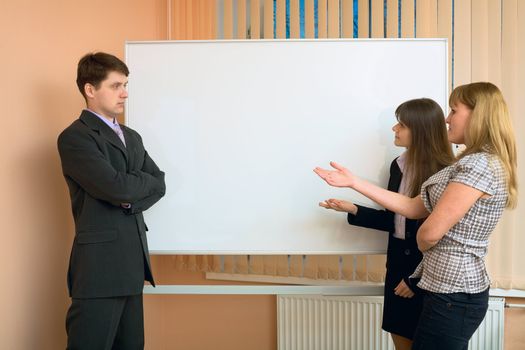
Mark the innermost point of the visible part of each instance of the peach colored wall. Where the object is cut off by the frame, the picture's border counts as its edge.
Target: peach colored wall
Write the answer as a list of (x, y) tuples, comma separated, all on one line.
[(40, 44), (202, 322)]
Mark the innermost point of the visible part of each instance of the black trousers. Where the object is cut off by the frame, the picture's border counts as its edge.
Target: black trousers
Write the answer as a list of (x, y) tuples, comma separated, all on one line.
[(106, 324), (448, 321)]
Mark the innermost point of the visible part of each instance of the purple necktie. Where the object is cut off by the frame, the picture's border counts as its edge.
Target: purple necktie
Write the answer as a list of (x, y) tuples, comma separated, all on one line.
[(118, 131)]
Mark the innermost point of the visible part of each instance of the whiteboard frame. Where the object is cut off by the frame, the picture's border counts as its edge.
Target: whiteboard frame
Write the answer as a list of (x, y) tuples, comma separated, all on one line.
[(278, 252)]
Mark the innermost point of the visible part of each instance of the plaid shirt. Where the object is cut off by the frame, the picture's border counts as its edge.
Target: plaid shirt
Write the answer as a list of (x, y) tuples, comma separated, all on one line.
[(455, 264)]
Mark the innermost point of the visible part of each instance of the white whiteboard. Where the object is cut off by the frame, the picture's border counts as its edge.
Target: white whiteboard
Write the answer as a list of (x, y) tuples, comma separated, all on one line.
[(238, 127)]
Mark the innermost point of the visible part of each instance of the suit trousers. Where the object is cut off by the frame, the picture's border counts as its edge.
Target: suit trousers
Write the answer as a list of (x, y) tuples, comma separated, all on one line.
[(115, 323)]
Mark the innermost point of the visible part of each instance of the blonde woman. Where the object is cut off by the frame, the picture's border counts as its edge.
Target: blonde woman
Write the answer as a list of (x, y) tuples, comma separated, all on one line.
[(462, 204), (422, 131)]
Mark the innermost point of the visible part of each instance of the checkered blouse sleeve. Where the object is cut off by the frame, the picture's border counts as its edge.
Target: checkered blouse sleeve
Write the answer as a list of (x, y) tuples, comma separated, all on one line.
[(425, 198), (476, 171)]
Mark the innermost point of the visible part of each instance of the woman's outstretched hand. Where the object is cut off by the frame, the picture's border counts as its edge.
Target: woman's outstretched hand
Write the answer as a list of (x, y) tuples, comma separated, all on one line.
[(339, 205), (340, 177)]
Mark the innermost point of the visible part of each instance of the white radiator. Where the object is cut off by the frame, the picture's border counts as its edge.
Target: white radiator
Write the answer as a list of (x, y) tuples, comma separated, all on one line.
[(354, 323)]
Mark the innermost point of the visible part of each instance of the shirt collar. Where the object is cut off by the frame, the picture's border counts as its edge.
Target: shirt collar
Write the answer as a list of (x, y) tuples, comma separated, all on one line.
[(104, 119), (401, 161)]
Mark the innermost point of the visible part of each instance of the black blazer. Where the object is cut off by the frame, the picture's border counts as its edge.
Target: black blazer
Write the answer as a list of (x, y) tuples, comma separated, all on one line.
[(407, 256), (109, 256)]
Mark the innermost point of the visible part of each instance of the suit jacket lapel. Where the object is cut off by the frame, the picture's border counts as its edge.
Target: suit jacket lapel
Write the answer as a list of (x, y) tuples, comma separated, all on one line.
[(104, 130)]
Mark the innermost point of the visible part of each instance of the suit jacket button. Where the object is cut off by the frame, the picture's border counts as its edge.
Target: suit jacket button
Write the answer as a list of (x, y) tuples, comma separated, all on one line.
[(407, 234), (407, 251)]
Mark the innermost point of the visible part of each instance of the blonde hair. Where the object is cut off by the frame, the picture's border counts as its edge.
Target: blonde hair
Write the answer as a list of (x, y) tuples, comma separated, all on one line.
[(489, 129)]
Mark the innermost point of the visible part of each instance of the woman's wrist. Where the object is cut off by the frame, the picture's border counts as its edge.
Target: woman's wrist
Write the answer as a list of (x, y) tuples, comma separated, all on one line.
[(356, 183)]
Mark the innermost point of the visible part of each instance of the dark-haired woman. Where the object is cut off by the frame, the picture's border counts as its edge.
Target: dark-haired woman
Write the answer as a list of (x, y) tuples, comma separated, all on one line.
[(421, 130)]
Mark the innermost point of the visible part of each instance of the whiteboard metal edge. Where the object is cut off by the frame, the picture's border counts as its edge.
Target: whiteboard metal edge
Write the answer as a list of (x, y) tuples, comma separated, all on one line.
[(129, 42), (262, 290), (263, 252), (289, 290)]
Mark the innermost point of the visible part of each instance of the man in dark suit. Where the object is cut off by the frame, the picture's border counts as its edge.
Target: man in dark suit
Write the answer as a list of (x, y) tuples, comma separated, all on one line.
[(111, 181)]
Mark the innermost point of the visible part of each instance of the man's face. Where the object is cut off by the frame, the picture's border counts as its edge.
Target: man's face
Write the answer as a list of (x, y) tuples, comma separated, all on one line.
[(108, 99)]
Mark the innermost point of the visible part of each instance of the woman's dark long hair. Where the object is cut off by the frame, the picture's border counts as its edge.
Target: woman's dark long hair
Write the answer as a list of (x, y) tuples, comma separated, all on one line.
[(429, 150)]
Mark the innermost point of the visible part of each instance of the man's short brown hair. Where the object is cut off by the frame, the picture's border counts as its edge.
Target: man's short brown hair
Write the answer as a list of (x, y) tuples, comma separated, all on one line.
[(93, 68)]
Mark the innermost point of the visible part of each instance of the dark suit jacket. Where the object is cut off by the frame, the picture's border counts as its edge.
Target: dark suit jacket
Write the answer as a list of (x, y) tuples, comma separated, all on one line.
[(109, 256), (407, 256)]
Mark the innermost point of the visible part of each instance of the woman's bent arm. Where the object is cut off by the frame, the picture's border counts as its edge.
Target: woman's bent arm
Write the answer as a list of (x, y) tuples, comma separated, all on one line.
[(456, 201)]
